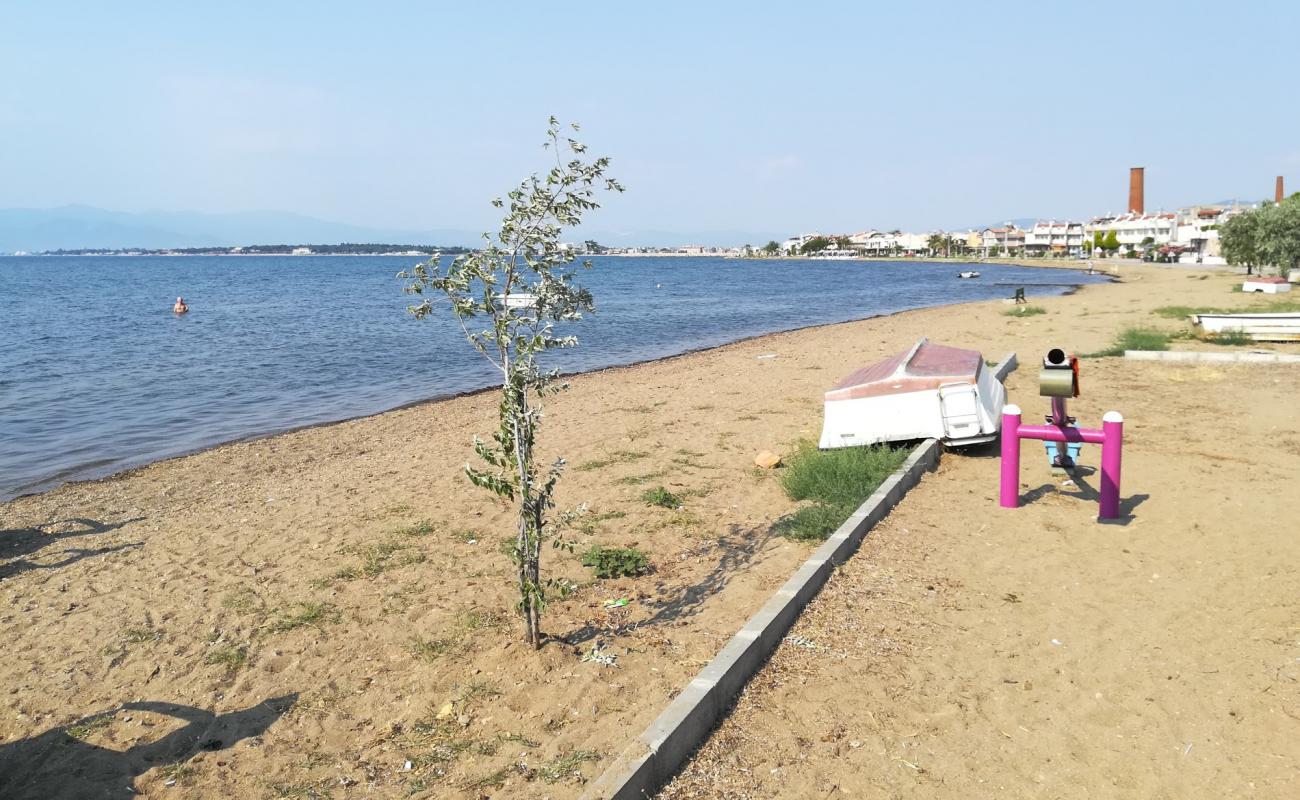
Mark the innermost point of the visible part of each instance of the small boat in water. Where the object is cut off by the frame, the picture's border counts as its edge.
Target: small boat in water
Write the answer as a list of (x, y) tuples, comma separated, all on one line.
[(1281, 327), (969, 274), (929, 391)]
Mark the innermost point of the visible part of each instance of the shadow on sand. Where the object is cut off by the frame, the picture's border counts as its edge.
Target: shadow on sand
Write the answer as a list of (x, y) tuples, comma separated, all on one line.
[(58, 763), (737, 549), (1086, 491), (18, 543)]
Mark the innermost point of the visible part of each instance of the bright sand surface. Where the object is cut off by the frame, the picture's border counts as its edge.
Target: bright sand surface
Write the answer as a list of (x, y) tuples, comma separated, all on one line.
[(268, 618)]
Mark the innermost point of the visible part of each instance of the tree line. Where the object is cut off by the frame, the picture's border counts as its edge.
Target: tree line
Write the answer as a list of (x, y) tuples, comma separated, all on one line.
[(1268, 236)]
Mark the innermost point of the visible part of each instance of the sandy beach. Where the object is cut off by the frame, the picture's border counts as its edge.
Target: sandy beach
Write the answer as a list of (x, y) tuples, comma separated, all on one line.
[(326, 613)]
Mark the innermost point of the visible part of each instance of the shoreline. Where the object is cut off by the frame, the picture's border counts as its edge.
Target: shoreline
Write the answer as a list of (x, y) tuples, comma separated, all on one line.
[(132, 468)]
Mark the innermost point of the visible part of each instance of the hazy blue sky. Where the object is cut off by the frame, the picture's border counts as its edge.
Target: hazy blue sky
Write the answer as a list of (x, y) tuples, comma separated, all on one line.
[(749, 116)]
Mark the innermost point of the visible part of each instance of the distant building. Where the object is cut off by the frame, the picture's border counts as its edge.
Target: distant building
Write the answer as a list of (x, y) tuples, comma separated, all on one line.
[(1135, 230), (1005, 239), (1049, 237), (301, 251)]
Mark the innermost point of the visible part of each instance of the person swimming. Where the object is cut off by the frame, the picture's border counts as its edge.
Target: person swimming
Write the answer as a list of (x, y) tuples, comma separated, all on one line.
[(180, 307)]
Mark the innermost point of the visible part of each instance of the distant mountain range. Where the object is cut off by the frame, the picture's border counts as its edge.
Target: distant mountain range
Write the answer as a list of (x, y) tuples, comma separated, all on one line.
[(84, 227), (71, 227)]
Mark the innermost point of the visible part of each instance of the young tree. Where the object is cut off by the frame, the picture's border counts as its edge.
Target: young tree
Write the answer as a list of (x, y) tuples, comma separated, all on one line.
[(1111, 243), (520, 285)]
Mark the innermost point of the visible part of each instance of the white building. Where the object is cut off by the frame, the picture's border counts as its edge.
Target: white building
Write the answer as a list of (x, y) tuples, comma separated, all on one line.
[(1132, 230), (1049, 237), (1006, 238)]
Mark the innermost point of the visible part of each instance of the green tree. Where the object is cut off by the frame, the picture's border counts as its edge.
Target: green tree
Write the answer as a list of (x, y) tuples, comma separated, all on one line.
[(1278, 239), (520, 284), (936, 243), (772, 248), (1111, 243), (814, 244)]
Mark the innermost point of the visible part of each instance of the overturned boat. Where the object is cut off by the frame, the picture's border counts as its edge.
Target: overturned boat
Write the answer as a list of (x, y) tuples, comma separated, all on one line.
[(1278, 327), (929, 391)]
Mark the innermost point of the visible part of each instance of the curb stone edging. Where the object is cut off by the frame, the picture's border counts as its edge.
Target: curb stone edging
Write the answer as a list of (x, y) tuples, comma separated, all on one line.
[(659, 752), (1006, 367), (1201, 355)]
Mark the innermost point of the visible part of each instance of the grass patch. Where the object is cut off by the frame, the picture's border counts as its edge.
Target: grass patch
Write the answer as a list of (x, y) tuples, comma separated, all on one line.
[(1273, 307), (433, 649), (242, 600), (83, 729), (1024, 311), (519, 739), (565, 766), (228, 656), (615, 562), (659, 496), (307, 790), (1231, 338), (181, 773), (834, 483), (590, 523), (307, 614), (422, 528), (637, 480), (1134, 339), (617, 457)]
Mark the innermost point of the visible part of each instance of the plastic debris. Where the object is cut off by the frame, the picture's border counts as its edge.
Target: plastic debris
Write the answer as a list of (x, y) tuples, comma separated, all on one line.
[(616, 602)]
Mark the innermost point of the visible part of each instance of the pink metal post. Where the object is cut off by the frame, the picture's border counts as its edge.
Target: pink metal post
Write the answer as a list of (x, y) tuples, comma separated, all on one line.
[(1010, 489), (1110, 437), (1112, 452)]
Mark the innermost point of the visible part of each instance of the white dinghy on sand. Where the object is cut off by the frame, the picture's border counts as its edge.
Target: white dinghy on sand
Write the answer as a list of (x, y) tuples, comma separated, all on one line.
[(930, 391)]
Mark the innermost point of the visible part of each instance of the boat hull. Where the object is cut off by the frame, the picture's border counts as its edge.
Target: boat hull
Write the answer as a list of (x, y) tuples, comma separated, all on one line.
[(1260, 327)]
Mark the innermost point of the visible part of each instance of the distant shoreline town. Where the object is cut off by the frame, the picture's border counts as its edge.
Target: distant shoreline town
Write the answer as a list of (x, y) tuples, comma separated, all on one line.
[(1188, 235)]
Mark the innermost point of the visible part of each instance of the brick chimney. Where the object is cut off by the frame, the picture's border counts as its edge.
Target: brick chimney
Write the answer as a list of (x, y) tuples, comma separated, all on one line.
[(1277, 193), (1136, 190)]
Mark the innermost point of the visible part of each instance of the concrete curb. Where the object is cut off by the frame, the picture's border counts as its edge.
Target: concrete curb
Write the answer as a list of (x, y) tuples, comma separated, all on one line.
[(1187, 356), (1007, 366), (663, 747)]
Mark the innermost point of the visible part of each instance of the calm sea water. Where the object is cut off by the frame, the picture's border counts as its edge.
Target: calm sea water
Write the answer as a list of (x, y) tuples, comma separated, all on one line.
[(97, 374)]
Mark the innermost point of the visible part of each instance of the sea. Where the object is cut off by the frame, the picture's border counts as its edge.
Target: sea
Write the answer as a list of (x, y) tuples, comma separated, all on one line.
[(98, 375)]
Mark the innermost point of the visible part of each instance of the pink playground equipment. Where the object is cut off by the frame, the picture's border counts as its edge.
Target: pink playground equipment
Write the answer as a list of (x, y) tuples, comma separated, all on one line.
[(1059, 380)]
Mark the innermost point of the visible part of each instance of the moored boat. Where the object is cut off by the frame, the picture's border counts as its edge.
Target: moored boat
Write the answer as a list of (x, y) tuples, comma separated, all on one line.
[(968, 274)]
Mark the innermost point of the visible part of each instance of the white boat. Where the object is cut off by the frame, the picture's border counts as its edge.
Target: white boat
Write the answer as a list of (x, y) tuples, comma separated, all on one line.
[(1267, 285), (928, 391), (969, 274), (1281, 327)]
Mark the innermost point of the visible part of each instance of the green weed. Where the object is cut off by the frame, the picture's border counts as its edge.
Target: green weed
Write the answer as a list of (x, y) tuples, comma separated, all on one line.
[(565, 766), (1024, 311), (228, 656), (1134, 339), (313, 614), (637, 480), (617, 457), (1232, 337), (84, 728), (659, 496), (834, 482), (615, 562)]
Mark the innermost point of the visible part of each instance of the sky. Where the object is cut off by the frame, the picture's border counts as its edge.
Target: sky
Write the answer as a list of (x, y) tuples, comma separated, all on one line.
[(753, 116)]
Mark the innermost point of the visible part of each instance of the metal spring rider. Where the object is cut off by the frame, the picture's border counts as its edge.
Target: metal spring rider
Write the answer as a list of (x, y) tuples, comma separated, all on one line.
[(1059, 380)]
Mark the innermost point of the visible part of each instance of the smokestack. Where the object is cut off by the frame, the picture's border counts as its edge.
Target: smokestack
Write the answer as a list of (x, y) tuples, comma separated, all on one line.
[(1136, 190), (1277, 193)]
